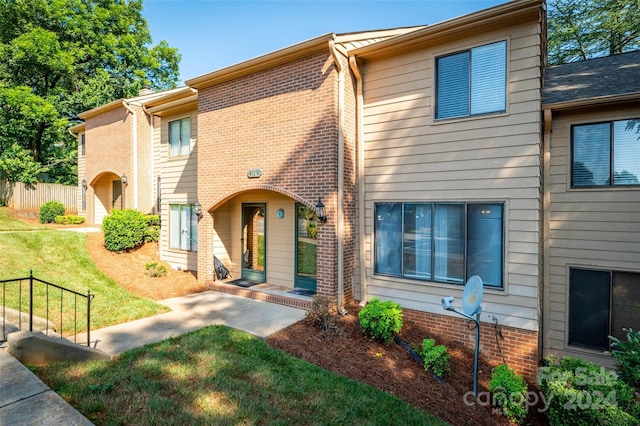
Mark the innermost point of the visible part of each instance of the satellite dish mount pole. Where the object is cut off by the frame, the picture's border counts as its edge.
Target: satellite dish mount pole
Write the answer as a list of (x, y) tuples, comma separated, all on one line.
[(471, 300)]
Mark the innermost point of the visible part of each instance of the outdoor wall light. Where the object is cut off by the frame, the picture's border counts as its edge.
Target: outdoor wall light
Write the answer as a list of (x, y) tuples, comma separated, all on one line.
[(320, 213), (197, 208), (123, 178), (84, 184)]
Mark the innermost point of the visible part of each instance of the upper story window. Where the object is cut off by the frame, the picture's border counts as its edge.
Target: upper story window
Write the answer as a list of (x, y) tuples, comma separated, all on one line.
[(605, 154), (472, 82), (82, 144), (441, 242), (180, 137)]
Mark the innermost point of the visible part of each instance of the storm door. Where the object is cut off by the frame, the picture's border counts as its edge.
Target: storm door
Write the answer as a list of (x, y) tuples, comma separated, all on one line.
[(254, 247), (117, 202), (306, 247)]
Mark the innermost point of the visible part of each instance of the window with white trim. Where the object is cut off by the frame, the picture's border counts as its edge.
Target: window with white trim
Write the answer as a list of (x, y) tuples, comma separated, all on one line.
[(472, 82), (180, 137), (183, 227), (440, 242), (605, 154)]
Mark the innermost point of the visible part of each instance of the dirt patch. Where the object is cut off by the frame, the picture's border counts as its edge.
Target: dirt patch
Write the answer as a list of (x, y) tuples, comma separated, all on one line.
[(390, 368)]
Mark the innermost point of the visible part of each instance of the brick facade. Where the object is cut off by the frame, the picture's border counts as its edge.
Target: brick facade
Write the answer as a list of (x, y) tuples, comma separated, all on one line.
[(519, 347), (283, 121)]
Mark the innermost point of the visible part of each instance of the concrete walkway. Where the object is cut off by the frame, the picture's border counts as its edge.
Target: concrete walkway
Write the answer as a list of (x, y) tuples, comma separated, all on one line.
[(26, 400)]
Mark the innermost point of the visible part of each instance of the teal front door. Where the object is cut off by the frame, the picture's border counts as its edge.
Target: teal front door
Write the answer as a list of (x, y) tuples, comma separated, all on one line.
[(306, 248), (254, 242)]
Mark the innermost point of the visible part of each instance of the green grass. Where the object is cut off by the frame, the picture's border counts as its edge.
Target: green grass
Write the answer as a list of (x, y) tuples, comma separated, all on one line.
[(218, 375), (61, 258), (7, 223)]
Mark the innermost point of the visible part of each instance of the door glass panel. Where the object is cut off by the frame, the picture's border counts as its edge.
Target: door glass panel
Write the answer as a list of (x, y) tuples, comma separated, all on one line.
[(253, 241), (116, 199), (307, 246)]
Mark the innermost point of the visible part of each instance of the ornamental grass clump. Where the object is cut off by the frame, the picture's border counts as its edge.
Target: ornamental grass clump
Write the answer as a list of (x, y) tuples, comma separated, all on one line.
[(381, 320)]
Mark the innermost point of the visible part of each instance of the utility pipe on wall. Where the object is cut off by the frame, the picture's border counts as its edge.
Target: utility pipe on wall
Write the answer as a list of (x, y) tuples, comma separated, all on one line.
[(360, 178), (340, 213), (134, 149)]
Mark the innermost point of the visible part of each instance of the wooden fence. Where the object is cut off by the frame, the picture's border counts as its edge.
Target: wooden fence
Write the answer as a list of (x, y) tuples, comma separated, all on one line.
[(31, 197)]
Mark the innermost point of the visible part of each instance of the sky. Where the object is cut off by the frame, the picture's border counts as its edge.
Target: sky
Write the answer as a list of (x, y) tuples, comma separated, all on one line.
[(214, 34)]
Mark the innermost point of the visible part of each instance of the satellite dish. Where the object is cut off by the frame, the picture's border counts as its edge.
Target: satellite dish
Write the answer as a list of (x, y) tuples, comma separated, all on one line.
[(472, 296)]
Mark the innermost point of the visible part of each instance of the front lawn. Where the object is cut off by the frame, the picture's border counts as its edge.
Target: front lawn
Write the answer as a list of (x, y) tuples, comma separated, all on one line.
[(61, 258), (218, 375)]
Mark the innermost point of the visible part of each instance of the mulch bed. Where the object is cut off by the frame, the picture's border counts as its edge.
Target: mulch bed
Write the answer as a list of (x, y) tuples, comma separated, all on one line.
[(393, 369)]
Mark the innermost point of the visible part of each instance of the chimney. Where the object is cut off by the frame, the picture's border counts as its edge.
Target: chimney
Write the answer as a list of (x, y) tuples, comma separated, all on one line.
[(146, 90)]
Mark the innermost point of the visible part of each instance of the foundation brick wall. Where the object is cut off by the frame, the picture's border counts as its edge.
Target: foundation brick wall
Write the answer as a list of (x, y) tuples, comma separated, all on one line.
[(283, 121), (520, 347)]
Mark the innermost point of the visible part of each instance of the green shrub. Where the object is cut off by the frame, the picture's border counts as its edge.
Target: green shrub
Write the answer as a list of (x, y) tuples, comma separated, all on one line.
[(155, 270), (69, 219), (324, 315), (124, 230), (584, 393), (50, 210), (435, 358), (152, 220), (381, 320), (627, 355), (510, 392), (152, 233)]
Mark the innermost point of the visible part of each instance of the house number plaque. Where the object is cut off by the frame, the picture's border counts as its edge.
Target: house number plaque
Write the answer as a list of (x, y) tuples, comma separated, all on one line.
[(254, 173)]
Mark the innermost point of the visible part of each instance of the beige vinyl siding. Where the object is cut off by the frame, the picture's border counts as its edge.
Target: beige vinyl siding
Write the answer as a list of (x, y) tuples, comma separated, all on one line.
[(178, 186), (495, 158), (587, 228)]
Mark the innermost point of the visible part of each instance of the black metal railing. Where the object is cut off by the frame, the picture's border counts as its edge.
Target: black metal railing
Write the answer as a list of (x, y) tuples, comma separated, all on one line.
[(22, 299)]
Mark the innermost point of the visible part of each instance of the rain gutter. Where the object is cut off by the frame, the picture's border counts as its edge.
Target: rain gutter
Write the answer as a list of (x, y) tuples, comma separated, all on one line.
[(134, 149), (340, 213), (360, 177)]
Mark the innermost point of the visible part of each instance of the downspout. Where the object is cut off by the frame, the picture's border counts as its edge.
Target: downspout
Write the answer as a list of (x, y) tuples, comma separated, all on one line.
[(134, 149), (152, 178), (340, 213), (543, 340), (360, 178)]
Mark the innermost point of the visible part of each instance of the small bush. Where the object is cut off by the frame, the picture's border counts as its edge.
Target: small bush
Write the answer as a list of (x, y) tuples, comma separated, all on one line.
[(152, 220), (510, 392), (155, 270), (435, 358), (381, 320), (584, 393), (153, 228), (627, 356), (324, 315), (124, 230), (69, 219), (49, 211)]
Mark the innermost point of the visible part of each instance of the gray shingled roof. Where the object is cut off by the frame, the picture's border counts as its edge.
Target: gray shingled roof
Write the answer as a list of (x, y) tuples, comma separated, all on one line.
[(608, 76)]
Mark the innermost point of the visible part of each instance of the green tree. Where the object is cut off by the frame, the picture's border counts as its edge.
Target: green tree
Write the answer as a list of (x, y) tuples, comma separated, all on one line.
[(17, 165), (62, 57), (586, 29)]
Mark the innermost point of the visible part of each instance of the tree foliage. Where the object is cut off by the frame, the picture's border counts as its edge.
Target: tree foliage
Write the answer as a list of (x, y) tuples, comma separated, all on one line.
[(62, 57), (584, 29)]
